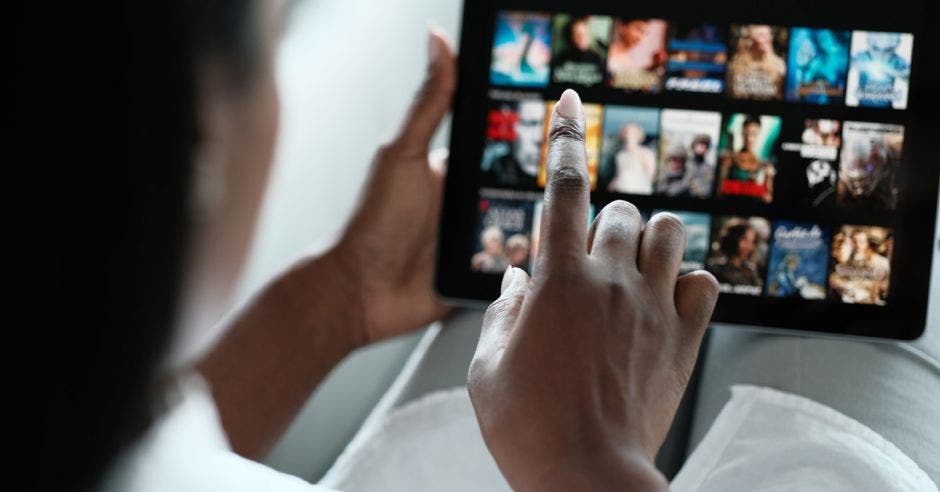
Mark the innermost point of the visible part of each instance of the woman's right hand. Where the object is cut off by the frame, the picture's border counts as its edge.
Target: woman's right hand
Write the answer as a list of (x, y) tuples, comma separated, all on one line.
[(579, 370)]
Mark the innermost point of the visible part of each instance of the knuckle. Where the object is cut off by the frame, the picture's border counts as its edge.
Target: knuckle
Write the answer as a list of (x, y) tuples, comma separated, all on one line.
[(566, 129), (388, 150), (568, 178), (476, 371), (616, 291), (498, 309)]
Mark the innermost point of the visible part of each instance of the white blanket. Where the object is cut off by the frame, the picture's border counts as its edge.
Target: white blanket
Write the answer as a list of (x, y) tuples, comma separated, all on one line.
[(762, 440), (765, 439)]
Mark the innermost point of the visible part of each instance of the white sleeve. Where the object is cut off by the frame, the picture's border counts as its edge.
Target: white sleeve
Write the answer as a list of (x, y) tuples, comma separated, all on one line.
[(187, 451)]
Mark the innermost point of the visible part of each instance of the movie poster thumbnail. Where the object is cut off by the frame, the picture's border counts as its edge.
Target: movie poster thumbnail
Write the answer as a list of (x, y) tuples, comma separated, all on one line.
[(820, 139), (748, 157), (697, 230), (628, 151), (593, 114), (522, 49), (698, 55), (757, 68), (636, 60), (817, 65), (861, 265), (580, 49), (871, 155), (513, 149), (504, 231), (799, 260), (688, 153), (738, 254), (537, 229), (879, 69), (819, 179)]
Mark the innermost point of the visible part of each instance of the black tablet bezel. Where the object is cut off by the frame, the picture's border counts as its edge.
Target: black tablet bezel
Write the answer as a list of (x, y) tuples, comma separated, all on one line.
[(905, 315)]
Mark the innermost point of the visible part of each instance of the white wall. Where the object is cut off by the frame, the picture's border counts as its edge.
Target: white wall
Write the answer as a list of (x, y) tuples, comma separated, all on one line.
[(347, 70)]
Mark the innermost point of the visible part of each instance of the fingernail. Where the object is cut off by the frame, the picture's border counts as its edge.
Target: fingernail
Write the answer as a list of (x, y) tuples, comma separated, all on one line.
[(434, 48), (507, 278), (569, 106)]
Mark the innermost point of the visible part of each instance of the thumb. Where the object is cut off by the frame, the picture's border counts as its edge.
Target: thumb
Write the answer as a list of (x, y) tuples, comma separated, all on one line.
[(502, 314), (433, 100)]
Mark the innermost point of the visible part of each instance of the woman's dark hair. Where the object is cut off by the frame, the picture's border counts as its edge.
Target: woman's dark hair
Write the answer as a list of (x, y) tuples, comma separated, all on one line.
[(568, 30), (117, 251), (729, 242), (751, 120)]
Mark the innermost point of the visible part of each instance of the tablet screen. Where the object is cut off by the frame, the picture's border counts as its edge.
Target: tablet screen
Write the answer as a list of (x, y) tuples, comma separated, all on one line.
[(781, 142)]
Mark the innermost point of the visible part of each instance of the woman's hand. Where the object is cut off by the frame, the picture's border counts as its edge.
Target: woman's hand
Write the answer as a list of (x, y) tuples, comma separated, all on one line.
[(388, 249), (579, 370), (375, 283)]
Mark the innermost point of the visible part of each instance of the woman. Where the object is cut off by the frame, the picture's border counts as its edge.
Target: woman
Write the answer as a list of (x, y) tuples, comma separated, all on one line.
[(199, 125), (743, 172), (635, 164), (735, 266)]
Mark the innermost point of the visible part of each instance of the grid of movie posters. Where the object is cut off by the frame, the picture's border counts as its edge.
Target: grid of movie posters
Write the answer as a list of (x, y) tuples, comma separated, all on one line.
[(749, 256), (744, 61), (752, 181)]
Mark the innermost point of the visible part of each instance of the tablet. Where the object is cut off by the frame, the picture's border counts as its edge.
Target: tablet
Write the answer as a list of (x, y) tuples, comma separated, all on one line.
[(793, 139)]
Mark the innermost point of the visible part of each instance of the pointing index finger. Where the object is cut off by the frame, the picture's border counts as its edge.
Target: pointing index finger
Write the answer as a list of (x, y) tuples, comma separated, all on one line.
[(564, 226)]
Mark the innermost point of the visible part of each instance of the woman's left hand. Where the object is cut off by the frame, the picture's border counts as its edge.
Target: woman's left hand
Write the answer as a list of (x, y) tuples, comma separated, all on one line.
[(388, 249)]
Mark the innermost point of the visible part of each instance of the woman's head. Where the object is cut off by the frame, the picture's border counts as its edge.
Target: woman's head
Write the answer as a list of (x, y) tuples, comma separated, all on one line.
[(517, 249), (632, 32), (199, 118), (492, 240), (761, 37), (579, 33), (751, 131), (238, 111), (632, 134), (860, 241), (739, 241)]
